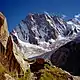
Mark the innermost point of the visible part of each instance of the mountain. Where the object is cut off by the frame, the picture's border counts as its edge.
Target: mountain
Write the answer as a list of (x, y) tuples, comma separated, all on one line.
[(41, 33), (29, 52), (50, 37)]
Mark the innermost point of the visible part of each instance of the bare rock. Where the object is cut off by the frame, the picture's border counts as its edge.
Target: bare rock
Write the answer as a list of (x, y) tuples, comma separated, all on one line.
[(3, 30)]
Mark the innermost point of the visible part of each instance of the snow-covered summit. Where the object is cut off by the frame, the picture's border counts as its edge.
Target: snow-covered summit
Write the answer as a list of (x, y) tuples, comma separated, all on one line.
[(40, 31), (36, 28)]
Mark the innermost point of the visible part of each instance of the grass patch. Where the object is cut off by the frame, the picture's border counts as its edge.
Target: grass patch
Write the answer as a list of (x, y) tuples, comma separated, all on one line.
[(26, 75), (52, 73), (2, 69)]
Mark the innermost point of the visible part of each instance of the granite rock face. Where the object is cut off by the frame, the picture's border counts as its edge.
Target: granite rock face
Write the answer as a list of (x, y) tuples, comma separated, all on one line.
[(9, 54), (3, 30), (13, 63)]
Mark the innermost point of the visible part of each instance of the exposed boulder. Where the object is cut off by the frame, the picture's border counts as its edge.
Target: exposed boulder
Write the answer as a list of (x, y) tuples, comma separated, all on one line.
[(3, 30), (39, 64)]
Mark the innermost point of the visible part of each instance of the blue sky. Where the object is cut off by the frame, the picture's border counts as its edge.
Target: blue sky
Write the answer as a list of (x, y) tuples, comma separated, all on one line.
[(16, 10)]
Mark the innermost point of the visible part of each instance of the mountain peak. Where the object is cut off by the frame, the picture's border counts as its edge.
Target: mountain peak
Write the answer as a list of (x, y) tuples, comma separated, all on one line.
[(42, 31)]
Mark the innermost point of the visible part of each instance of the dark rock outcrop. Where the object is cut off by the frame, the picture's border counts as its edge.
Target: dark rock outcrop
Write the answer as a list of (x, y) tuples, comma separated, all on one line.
[(2, 49), (39, 64), (68, 57)]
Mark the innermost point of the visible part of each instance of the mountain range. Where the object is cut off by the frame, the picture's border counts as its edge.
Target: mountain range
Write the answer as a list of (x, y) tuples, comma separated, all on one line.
[(41, 33), (38, 44)]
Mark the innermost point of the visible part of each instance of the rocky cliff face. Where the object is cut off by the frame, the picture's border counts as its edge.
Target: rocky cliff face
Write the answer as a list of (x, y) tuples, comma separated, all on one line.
[(10, 57), (13, 63), (3, 30)]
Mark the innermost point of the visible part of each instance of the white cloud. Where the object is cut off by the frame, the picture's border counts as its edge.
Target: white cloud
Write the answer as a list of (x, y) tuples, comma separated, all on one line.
[(77, 16)]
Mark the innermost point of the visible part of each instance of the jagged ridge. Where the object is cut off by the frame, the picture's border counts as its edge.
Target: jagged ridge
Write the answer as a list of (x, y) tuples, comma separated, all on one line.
[(43, 30)]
